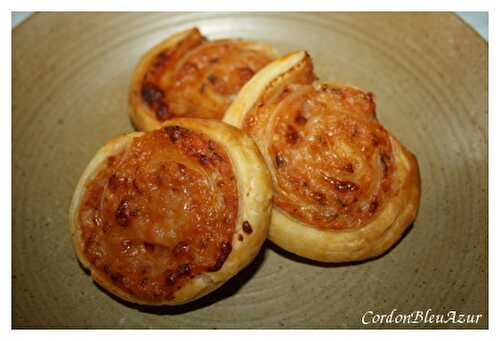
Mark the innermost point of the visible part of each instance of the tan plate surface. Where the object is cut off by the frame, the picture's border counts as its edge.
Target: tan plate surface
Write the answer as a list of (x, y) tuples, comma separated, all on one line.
[(71, 73)]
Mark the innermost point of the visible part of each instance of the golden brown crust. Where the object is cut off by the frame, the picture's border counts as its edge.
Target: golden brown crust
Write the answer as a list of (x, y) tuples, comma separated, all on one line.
[(254, 191), (370, 239), (142, 115)]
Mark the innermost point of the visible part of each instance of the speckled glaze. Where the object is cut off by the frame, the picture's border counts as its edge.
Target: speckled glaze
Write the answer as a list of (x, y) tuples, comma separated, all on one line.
[(71, 74)]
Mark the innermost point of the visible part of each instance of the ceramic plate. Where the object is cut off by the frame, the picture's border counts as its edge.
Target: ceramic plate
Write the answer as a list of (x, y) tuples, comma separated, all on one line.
[(71, 74)]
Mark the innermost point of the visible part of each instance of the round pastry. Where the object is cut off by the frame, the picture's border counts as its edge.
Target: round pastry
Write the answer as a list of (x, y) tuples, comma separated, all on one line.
[(187, 75), (345, 189), (167, 216)]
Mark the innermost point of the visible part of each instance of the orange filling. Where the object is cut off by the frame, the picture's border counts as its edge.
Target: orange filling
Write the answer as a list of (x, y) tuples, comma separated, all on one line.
[(331, 160), (160, 213), (199, 78)]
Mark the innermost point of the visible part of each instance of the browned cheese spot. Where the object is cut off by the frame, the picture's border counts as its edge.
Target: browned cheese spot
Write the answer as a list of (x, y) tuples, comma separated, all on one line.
[(124, 213), (247, 228), (175, 132), (279, 160), (225, 250), (373, 206), (292, 136), (151, 93), (172, 276), (319, 197)]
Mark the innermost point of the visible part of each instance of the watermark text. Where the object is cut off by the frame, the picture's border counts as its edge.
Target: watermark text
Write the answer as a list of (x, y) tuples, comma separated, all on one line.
[(419, 317)]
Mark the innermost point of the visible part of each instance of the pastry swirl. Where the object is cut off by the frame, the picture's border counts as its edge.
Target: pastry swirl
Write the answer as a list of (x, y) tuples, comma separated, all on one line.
[(345, 189), (189, 76), (164, 217)]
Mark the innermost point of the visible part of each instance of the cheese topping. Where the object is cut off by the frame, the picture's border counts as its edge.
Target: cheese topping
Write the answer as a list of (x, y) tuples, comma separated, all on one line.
[(331, 160), (161, 212), (199, 78)]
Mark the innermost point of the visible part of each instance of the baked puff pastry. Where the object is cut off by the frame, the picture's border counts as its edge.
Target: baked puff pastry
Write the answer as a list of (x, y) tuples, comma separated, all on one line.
[(167, 216), (187, 75), (345, 189)]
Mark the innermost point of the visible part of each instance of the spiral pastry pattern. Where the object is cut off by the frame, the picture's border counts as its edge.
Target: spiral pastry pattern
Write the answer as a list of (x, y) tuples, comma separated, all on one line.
[(342, 182), (188, 75), (166, 217)]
